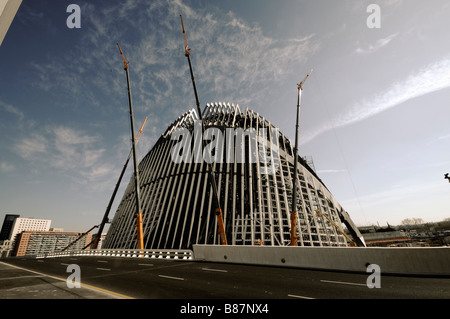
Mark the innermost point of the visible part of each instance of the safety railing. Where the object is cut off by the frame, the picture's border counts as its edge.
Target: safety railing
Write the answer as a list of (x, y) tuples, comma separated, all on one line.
[(173, 254)]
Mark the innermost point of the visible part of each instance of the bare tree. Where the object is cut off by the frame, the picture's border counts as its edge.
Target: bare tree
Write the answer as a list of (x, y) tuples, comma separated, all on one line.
[(412, 221)]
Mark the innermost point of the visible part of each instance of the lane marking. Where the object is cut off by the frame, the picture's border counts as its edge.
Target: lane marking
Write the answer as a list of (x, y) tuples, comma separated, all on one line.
[(64, 264), (20, 277), (145, 264), (109, 292), (300, 297), (102, 261), (170, 277), (106, 269), (218, 270), (344, 283)]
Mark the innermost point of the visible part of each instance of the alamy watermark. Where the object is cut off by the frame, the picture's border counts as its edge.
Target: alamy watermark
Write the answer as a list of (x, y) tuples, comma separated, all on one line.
[(374, 280), (237, 146), (374, 19), (74, 19), (74, 279)]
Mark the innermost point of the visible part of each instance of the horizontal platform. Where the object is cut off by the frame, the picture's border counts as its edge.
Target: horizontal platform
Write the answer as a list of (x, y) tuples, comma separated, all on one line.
[(421, 261)]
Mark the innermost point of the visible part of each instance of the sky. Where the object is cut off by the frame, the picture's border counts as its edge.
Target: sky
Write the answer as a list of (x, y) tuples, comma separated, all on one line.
[(374, 113)]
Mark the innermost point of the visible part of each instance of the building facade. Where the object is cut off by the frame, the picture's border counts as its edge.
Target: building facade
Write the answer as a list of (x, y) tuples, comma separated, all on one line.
[(29, 224), (253, 165), (48, 242), (7, 226)]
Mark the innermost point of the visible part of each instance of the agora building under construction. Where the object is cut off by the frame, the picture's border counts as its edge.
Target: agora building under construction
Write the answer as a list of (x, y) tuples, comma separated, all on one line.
[(254, 187)]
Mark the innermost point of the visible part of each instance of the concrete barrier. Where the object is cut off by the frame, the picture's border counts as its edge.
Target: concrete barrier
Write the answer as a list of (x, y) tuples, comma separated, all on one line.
[(427, 261)]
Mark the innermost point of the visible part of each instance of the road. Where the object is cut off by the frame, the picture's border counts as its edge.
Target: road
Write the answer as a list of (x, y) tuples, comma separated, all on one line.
[(143, 278)]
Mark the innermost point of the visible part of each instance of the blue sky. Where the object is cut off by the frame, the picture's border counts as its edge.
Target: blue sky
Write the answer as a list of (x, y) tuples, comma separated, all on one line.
[(374, 117)]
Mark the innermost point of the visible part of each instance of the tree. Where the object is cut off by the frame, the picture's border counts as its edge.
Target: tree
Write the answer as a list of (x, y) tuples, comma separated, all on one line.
[(412, 221)]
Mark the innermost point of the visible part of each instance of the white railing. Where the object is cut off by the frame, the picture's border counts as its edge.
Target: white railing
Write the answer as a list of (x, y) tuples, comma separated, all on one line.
[(173, 254)]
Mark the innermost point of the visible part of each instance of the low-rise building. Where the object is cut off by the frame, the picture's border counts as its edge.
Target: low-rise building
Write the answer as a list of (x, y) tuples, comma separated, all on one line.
[(48, 242)]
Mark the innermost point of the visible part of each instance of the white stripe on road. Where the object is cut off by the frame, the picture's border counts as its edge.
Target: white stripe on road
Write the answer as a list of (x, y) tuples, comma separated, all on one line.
[(344, 283), (106, 269), (169, 277), (301, 297), (218, 270), (145, 264)]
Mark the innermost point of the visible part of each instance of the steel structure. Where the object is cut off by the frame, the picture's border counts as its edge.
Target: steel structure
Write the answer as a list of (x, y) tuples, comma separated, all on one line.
[(139, 235), (177, 200)]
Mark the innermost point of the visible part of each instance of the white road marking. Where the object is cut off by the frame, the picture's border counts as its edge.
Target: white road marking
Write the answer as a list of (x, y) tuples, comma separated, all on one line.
[(20, 277), (102, 261), (344, 283), (301, 297), (170, 277), (65, 280), (106, 269), (218, 270), (145, 264)]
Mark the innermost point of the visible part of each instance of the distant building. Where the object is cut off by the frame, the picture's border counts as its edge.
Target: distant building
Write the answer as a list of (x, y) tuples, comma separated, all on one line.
[(8, 223), (48, 242), (29, 224), (14, 225), (389, 238)]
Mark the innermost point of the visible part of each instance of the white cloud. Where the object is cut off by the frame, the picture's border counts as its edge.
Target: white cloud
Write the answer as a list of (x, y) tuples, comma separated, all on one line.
[(30, 146), (70, 152), (331, 171), (12, 109), (230, 57), (377, 46), (6, 167), (432, 78)]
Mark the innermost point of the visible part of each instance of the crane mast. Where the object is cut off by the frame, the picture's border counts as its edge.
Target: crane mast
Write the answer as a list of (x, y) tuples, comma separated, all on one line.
[(94, 243), (140, 233), (294, 185), (212, 180)]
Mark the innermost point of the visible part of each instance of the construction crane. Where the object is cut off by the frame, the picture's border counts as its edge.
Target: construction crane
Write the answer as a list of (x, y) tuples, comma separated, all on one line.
[(212, 180), (139, 227), (294, 187), (94, 243), (79, 237), (447, 177), (352, 243)]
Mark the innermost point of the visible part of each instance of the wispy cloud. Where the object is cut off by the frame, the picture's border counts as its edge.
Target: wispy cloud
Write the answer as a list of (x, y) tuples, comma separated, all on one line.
[(231, 58), (380, 43), (28, 147), (431, 78), (12, 110), (6, 167), (331, 171), (69, 152)]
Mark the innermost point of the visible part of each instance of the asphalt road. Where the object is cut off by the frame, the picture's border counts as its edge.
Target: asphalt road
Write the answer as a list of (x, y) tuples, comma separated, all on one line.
[(142, 278)]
